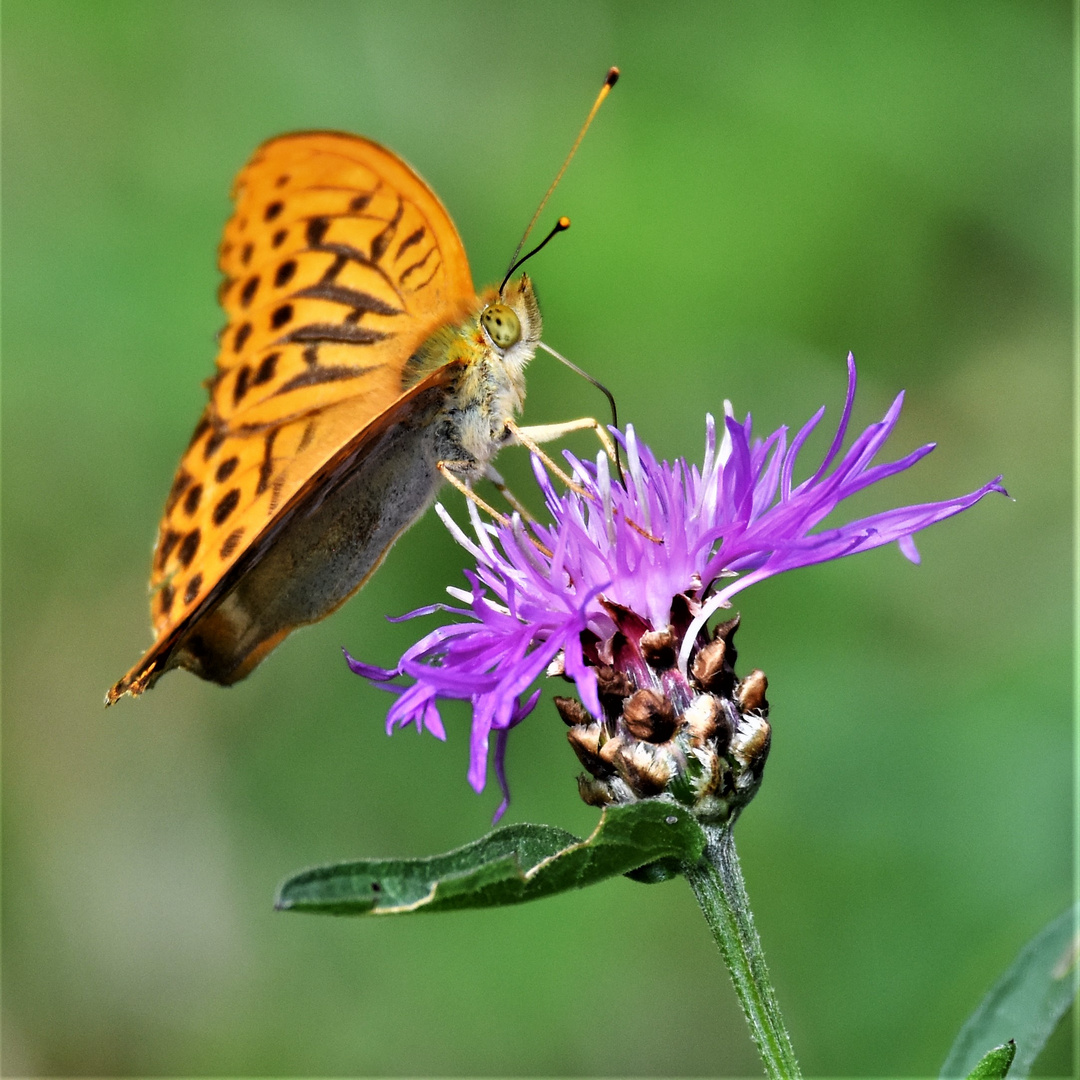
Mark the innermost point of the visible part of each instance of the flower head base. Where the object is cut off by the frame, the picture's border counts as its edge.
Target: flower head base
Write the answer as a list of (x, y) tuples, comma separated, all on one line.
[(632, 571), (701, 738)]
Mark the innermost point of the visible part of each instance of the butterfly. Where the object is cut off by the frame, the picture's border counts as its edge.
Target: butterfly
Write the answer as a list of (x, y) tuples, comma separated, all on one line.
[(357, 370)]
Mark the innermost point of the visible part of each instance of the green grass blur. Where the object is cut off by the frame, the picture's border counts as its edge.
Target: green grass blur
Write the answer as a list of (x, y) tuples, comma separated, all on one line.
[(769, 186)]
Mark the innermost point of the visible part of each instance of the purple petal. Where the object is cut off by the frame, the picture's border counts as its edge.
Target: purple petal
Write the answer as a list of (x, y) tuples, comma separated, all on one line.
[(500, 753), (911, 552), (845, 418), (368, 671)]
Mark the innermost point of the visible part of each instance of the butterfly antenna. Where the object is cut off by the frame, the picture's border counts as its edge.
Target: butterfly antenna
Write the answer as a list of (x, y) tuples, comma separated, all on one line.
[(609, 82), (560, 226), (603, 390)]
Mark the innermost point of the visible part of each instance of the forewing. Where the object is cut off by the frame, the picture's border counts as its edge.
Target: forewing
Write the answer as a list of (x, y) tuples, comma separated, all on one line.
[(339, 261)]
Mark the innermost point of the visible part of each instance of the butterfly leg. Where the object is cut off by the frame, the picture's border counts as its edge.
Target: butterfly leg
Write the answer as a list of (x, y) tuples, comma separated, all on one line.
[(446, 468), (542, 433), (500, 486), (531, 437)]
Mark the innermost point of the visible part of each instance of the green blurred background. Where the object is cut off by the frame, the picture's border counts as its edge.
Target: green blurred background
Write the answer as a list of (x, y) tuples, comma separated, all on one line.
[(771, 185)]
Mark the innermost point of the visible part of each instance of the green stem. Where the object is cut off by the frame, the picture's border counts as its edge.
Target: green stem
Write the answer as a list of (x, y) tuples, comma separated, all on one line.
[(718, 885)]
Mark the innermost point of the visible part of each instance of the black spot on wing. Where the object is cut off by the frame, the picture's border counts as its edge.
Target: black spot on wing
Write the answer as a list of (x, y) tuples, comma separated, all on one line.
[(266, 468), (266, 369), (165, 598), (383, 240), (165, 547), (413, 238), (231, 542), (226, 505), (359, 301), (193, 587), (335, 332), (214, 441), (427, 281), (316, 375), (285, 273), (316, 230), (188, 548), (197, 434), (275, 495), (331, 272), (416, 266), (305, 439), (347, 251), (226, 469), (240, 387), (179, 486), (191, 500), (247, 293)]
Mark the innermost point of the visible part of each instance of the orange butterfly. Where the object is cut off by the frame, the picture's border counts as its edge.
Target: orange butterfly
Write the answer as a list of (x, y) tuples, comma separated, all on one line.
[(357, 370)]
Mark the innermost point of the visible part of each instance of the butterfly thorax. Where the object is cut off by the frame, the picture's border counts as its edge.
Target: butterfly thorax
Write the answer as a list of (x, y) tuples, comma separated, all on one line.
[(490, 390)]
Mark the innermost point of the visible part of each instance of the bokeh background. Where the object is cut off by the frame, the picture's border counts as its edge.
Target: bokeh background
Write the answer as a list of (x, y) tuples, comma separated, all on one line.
[(771, 185)]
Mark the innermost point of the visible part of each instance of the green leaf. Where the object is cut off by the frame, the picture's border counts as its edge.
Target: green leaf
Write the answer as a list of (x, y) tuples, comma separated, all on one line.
[(995, 1064), (655, 872), (1026, 1003), (508, 866)]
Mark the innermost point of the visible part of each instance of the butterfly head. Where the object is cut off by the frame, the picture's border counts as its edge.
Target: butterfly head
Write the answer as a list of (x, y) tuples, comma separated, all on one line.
[(510, 322)]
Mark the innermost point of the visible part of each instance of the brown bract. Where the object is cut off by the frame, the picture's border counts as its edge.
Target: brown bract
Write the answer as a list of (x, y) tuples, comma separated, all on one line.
[(702, 741)]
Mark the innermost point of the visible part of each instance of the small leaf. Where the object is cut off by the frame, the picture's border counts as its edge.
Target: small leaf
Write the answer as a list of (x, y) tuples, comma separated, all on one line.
[(995, 1064), (508, 866), (1026, 1003)]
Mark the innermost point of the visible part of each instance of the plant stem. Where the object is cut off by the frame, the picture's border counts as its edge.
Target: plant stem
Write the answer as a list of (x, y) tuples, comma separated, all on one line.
[(718, 885)]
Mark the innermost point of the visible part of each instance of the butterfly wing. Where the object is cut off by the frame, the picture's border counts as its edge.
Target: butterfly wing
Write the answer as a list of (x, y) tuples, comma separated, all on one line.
[(339, 262)]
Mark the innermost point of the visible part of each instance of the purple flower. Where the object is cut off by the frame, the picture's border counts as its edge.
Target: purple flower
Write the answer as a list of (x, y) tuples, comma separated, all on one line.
[(545, 596)]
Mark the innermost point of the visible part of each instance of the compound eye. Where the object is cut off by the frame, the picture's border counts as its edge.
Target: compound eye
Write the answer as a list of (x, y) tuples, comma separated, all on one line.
[(502, 325)]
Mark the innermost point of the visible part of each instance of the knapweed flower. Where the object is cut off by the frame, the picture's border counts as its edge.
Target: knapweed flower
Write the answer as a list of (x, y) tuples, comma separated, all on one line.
[(615, 594)]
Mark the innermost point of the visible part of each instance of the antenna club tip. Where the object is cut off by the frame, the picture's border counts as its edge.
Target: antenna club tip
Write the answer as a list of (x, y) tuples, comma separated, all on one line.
[(612, 77), (564, 224)]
